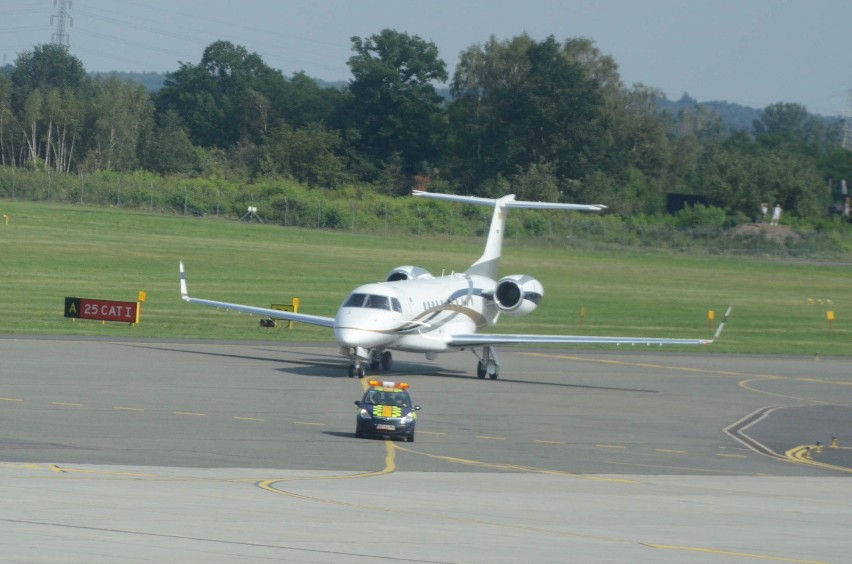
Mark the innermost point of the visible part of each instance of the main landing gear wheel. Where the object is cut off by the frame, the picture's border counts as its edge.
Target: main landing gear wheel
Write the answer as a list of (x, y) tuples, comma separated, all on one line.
[(488, 363), (383, 360), (482, 371)]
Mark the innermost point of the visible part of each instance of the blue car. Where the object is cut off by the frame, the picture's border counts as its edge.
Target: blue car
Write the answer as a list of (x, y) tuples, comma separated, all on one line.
[(386, 410)]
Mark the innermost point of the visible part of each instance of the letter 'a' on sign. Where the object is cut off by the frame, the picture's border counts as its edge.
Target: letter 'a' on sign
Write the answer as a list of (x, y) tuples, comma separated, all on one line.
[(72, 307)]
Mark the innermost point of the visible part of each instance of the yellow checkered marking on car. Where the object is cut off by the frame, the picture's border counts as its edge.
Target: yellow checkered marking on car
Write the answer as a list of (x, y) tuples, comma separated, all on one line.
[(387, 411)]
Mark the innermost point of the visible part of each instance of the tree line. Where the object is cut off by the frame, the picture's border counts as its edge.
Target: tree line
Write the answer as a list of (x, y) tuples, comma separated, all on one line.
[(546, 120)]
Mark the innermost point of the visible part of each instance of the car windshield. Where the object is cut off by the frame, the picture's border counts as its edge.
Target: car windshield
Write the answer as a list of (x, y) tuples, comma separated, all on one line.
[(376, 397)]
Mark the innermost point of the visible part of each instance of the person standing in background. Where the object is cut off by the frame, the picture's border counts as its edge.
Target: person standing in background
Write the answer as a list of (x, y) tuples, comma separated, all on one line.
[(776, 214)]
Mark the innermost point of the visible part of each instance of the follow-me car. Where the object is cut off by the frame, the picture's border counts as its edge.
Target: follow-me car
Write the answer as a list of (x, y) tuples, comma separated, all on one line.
[(386, 410)]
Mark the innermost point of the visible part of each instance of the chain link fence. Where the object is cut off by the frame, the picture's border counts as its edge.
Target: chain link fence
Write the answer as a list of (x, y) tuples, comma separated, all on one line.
[(274, 203)]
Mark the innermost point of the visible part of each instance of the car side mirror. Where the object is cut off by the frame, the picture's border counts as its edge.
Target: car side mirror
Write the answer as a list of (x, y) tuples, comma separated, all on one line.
[(358, 403), (416, 408)]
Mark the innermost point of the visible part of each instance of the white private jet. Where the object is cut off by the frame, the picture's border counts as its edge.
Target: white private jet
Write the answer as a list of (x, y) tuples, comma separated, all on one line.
[(413, 311)]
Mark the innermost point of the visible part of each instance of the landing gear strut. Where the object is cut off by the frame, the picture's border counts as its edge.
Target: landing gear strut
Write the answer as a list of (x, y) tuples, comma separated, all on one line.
[(488, 363)]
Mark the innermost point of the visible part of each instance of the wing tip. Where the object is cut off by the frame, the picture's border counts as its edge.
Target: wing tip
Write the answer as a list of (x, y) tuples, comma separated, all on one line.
[(184, 294)]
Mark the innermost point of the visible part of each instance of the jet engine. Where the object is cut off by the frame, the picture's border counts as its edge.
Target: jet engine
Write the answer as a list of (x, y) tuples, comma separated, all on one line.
[(408, 273), (518, 294)]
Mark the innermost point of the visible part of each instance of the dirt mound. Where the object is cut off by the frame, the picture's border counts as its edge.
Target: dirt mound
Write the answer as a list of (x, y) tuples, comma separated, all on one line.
[(778, 233)]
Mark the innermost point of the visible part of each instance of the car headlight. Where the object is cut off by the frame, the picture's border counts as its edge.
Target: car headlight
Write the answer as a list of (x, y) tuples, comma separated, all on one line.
[(364, 414), (408, 418)]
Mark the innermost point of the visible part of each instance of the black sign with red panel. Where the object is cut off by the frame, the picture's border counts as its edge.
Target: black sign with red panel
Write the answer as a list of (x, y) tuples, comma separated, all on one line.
[(102, 310)]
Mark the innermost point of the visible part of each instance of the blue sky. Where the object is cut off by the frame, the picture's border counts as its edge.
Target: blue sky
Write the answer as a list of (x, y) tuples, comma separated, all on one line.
[(751, 52)]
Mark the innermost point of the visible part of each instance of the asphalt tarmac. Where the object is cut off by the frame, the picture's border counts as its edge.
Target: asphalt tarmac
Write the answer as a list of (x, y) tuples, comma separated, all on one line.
[(182, 451)]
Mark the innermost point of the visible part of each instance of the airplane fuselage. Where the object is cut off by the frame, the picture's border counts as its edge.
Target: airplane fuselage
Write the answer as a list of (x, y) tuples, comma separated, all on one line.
[(415, 315)]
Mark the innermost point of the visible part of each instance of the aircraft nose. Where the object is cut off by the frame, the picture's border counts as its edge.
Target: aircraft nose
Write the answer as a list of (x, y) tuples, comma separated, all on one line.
[(352, 337), (364, 327)]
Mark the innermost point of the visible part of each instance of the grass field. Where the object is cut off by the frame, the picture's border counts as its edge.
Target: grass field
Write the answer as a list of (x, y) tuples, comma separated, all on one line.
[(48, 252)]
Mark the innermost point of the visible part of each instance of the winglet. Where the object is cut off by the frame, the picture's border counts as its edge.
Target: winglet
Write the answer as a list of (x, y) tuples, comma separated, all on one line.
[(723, 322), (184, 295)]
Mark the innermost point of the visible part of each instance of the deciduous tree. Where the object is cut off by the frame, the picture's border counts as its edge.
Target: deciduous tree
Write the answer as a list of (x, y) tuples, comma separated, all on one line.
[(521, 102), (228, 96), (392, 102)]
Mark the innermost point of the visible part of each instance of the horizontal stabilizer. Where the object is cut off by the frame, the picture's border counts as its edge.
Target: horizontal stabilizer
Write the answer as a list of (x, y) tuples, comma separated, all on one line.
[(507, 203), (488, 264)]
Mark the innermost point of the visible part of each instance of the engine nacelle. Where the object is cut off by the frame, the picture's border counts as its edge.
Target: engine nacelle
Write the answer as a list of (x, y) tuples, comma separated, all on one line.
[(518, 294), (408, 273)]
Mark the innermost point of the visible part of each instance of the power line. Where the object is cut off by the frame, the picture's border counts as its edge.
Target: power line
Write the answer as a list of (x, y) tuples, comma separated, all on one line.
[(274, 52)]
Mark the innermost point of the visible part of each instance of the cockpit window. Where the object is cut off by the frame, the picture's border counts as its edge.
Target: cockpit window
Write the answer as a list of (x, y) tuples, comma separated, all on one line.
[(377, 302), (354, 300), (374, 301)]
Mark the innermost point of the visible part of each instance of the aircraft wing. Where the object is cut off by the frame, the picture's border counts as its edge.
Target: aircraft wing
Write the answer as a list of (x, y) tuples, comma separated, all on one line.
[(481, 339), (477, 339), (268, 312)]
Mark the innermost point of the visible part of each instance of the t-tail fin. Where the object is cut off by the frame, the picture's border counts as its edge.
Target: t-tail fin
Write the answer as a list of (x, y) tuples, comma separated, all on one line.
[(488, 264)]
